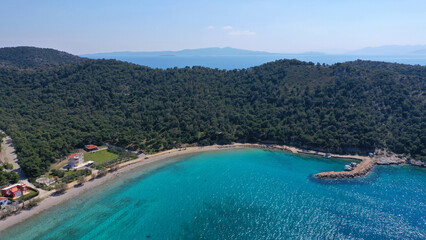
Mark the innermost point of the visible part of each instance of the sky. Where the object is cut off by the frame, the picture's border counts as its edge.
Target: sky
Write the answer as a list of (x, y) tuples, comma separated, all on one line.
[(330, 26)]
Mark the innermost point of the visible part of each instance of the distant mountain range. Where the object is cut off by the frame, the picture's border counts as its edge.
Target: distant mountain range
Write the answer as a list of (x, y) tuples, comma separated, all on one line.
[(391, 50), (215, 51), (222, 58)]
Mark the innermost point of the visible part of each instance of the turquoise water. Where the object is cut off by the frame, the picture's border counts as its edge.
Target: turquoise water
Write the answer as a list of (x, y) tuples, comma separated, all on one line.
[(242, 194), (239, 62)]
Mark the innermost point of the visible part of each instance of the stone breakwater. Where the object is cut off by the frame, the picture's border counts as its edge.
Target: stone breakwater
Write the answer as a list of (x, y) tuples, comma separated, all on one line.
[(362, 169)]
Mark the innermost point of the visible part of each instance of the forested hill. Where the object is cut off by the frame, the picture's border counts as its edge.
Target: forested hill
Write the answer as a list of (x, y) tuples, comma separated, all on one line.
[(344, 108), (30, 57)]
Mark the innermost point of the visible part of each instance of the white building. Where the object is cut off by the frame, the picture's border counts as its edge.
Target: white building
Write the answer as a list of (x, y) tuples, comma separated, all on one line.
[(75, 160)]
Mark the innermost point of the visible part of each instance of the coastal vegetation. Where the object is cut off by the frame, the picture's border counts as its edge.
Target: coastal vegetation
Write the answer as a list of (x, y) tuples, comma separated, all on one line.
[(57, 173), (8, 166), (32, 203), (2, 135), (352, 107), (81, 180), (7, 177), (101, 173), (61, 188), (71, 176)]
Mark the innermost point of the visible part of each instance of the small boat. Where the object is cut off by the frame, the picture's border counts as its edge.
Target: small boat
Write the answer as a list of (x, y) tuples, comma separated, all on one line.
[(348, 168)]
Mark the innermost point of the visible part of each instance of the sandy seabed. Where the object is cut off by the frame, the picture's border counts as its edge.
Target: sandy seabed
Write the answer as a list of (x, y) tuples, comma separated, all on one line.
[(50, 199)]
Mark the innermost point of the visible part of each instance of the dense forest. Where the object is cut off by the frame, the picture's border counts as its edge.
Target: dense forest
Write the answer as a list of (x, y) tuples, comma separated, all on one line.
[(7, 177), (351, 107), (30, 57)]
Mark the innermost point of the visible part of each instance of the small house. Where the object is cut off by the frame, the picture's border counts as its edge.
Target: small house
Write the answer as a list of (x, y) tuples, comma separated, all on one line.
[(14, 191), (90, 147), (75, 160)]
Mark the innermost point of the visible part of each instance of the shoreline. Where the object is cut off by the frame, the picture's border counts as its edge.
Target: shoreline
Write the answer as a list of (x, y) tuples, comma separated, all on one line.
[(49, 200), (150, 161)]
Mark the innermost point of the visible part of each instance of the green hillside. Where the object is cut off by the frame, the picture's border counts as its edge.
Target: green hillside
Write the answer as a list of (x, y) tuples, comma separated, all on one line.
[(30, 57), (344, 108)]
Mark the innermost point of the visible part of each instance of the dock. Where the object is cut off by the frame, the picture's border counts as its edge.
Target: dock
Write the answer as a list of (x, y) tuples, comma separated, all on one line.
[(361, 169)]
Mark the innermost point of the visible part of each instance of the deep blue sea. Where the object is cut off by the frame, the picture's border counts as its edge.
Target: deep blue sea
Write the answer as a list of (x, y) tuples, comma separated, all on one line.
[(242, 194), (240, 62)]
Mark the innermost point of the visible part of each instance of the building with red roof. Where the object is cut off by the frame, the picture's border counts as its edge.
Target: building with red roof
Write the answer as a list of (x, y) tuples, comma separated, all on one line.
[(14, 191), (90, 147)]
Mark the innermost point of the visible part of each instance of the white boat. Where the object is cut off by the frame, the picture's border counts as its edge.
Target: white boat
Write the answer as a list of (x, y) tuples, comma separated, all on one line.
[(348, 168)]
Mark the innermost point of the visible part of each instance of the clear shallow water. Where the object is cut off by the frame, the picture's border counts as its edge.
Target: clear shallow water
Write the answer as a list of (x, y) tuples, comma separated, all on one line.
[(239, 62), (242, 194)]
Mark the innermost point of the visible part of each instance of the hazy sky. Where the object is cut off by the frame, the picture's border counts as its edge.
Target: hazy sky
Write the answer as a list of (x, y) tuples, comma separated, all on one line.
[(89, 26)]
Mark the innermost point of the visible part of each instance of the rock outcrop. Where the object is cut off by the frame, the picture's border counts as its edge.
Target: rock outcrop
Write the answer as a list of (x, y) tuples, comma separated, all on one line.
[(388, 158), (417, 163)]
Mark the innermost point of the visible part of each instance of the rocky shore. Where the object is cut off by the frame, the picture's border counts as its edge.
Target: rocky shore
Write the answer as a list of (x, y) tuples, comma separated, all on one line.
[(387, 158), (417, 163), (381, 157)]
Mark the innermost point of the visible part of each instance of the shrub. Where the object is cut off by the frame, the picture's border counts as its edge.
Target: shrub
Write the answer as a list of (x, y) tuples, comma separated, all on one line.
[(122, 152), (59, 173), (32, 203), (81, 180), (42, 186), (113, 169), (13, 177), (101, 173), (73, 176), (8, 165), (61, 188)]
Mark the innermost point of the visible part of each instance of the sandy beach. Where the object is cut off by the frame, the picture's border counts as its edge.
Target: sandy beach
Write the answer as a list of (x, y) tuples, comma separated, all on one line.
[(49, 199)]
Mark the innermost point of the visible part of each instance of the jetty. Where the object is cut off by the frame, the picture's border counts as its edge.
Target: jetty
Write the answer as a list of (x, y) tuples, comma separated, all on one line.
[(366, 165)]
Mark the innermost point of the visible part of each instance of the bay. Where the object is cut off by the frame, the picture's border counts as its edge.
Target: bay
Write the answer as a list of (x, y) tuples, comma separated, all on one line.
[(241, 62), (241, 194)]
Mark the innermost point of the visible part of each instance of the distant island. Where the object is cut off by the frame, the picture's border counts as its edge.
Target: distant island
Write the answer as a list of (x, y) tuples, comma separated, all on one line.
[(215, 51), (394, 50), (232, 58)]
